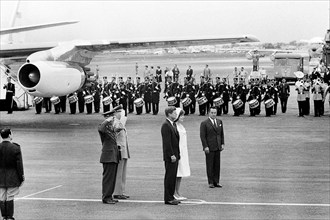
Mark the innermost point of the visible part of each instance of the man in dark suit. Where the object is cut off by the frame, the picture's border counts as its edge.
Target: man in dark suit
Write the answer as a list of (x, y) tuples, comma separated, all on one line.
[(10, 93), (171, 154), (110, 153), (11, 173), (212, 137), (284, 93)]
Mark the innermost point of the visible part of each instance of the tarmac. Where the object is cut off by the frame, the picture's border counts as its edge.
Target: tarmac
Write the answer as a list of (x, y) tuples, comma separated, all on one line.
[(271, 168)]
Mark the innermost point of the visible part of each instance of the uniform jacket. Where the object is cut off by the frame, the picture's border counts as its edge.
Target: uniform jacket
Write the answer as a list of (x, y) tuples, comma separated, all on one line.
[(107, 131), (301, 95), (170, 141), (122, 140), (11, 165), (211, 136), (317, 92)]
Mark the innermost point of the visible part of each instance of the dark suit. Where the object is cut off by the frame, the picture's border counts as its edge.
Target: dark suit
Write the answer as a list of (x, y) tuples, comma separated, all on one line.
[(213, 138), (170, 138), (109, 157), (10, 93)]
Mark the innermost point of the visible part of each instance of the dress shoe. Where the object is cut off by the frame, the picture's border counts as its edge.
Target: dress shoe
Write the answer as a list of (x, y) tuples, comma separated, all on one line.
[(211, 186), (120, 197), (109, 201), (172, 202), (218, 185), (127, 196), (179, 198)]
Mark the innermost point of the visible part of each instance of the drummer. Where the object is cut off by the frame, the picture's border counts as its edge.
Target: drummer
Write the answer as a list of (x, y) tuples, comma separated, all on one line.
[(130, 90), (155, 91), (254, 96), (73, 102), (267, 97), (202, 89), (56, 102), (38, 104), (89, 105), (218, 94), (147, 92), (237, 92), (225, 88), (176, 91), (185, 94), (138, 94), (106, 93)]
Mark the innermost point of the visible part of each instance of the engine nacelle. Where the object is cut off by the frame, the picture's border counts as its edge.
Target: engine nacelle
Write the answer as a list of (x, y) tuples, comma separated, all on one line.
[(48, 78)]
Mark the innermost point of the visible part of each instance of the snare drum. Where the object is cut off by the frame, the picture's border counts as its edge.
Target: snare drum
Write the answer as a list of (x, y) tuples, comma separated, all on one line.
[(37, 100), (88, 99), (138, 102), (72, 99), (171, 101), (253, 104), (269, 103), (186, 101), (218, 102), (201, 100), (107, 100), (55, 100), (237, 104)]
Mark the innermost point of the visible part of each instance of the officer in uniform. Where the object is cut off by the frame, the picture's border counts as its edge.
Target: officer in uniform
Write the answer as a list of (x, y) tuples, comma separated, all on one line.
[(10, 93), (130, 88), (81, 101), (284, 93), (106, 93), (155, 88), (138, 94), (73, 102), (147, 90), (202, 89)]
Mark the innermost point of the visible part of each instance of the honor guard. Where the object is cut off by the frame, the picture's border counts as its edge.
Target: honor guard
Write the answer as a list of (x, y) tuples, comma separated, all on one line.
[(209, 93), (317, 91), (115, 92), (72, 97), (147, 90), (167, 88), (237, 92), (218, 97), (38, 104), (307, 88), (268, 100), (106, 95), (201, 96), (159, 75), (10, 93), (225, 95), (96, 92), (192, 95), (56, 102), (284, 93), (88, 98), (274, 95), (47, 104), (123, 96), (81, 101), (301, 97), (138, 96), (185, 96), (176, 91), (254, 99), (155, 88), (130, 88), (243, 93), (63, 103)]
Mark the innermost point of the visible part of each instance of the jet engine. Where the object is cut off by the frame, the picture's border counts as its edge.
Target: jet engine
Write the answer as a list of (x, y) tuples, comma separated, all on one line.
[(49, 78)]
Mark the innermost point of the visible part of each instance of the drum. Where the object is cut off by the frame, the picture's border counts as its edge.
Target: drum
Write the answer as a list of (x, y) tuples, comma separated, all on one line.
[(72, 99), (253, 104), (37, 100), (138, 102), (88, 99), (171, 101), (237, 104), (269, 103), (202, 100), (218, 101), (55, 100), (107, 100), (186, 101)]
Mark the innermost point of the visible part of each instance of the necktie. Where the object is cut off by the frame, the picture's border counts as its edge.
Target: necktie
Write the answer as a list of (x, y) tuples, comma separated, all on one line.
[(215, 122), (175, 128)]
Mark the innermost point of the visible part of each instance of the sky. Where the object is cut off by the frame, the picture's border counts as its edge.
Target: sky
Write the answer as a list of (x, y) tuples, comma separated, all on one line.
[(269, 21)]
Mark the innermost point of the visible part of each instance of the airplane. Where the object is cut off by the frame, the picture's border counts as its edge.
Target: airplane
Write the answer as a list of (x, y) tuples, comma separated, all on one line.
[(61, 68)]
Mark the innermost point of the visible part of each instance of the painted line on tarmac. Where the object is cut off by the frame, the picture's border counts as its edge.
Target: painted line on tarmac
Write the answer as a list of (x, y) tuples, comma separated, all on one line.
[(40, 192), (200, 202)]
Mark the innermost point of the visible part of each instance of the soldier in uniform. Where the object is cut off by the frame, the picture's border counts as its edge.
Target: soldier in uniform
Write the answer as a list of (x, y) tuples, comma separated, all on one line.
[(307, 86), (191, 88), (225, 95), (301, 97), (10, 93), (254, 93), (236, 93), (186, 94), (176, 91), (218, 94), (138, 94), (147, 90), (159, 75), (123, 96), (63, 103), (89, 106), (176, 72), (96, 91), (168, 88), (115, 93), (72, 103), (189, 73), (155, 90), (243, 93), (202, 89), (317, 91), (81, 101), (38, 105), (284, 93), (274, 95), (130, 88), (57, 107), (106, 93), (268, 95), (47, 104), (209, 93)]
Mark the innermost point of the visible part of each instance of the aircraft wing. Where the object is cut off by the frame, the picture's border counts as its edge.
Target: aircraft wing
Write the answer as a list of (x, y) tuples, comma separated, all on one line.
[(14, 30)]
